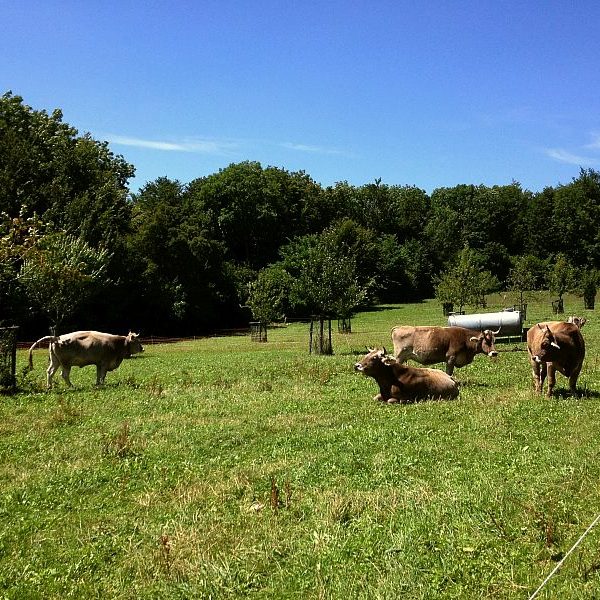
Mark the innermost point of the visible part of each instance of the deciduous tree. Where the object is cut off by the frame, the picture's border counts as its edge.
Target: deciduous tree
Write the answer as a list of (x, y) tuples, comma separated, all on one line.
[(60, 273), (465, 282)]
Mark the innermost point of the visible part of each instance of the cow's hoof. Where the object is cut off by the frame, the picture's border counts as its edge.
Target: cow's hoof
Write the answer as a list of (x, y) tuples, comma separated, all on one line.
[(378, 398)]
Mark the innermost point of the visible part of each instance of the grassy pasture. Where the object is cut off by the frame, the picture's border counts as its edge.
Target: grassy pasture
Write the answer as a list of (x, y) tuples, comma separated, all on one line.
[(228, 468)]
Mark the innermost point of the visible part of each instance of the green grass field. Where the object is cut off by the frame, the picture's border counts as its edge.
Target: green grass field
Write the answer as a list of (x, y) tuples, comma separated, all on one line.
[(225, 468)]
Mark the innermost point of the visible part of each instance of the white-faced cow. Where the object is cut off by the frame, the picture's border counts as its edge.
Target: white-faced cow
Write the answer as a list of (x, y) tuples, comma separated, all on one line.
[(399, 383), (455, 346), (83, 348), (555, 346)]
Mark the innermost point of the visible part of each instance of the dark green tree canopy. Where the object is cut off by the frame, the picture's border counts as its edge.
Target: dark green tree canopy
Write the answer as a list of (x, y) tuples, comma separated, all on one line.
[(74, 182), (252, 210), (184, 256)]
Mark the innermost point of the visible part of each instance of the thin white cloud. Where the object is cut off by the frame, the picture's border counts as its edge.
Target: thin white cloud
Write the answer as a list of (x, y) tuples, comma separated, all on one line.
[(595, 143), (312, 149), (573, 159), (199, 146), (221, 147)]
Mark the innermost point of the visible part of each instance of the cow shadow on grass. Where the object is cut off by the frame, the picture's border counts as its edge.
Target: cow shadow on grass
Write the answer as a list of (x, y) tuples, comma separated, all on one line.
[(567, 394), (411, 401), (38, 388), (470, 384)]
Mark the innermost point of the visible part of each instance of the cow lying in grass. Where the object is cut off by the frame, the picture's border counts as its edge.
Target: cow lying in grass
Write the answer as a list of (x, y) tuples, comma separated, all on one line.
[(83, 348), (399, 383)]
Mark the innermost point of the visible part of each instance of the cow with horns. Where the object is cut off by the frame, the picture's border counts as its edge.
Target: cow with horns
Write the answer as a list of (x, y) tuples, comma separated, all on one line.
[(454, 346), (399, 383), (555, 346), (83, 348)]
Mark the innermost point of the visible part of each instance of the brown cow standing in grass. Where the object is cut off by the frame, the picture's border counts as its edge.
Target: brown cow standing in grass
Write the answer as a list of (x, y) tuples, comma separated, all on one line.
[(83, 348), (555, 346), (455, 346), (398, 383)]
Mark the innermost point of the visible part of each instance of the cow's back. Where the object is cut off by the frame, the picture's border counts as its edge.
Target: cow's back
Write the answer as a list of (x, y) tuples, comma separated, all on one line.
[(418, 383), (428, 345), (414, 337), (82, 348)]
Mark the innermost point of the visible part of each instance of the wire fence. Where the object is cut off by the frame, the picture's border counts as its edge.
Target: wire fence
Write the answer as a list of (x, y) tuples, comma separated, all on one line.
[(155, 339)]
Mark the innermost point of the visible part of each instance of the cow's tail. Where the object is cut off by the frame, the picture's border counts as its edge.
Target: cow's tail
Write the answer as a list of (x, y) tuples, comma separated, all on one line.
[(49, 338)]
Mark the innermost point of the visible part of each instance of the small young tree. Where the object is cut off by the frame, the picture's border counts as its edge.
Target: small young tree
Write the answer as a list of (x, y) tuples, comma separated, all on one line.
[(561, 279), (327, 286), (60, 273), (523, 277), (588, 286), (465, 283), (269, 293), (17, 237)]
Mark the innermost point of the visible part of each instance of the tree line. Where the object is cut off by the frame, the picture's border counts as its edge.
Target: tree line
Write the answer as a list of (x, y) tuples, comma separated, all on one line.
[(79, 249)]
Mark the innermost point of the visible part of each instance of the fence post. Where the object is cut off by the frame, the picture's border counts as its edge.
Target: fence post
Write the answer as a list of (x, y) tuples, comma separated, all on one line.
[(345, 325), (558, 306), (8, 359), (320, 339), (258, 331)]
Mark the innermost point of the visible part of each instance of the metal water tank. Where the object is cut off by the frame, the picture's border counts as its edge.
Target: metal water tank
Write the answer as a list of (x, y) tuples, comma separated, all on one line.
[(510, 322)]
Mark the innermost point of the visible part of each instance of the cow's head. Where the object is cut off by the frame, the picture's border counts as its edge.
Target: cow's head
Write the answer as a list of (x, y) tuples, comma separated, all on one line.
[(546, 346), (486, 342), (374, 362), (133, 341), (579, 321)]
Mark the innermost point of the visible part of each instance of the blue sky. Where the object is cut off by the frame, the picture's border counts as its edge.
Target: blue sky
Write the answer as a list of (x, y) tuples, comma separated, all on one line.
[(425, 93)]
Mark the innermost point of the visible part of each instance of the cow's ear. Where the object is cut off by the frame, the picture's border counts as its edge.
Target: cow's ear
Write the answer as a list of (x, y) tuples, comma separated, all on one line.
[(474, 339), (388, 360)]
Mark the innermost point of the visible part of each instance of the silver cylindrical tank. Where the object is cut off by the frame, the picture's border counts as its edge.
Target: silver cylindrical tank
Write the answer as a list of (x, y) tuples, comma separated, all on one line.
[(509, 322)]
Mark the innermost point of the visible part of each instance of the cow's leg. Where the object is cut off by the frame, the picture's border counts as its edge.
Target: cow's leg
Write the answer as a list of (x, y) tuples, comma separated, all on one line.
[(450, 361), (100, 374), (52, 368), (538, 371), (573, 380), (551, 379), (66, 372)]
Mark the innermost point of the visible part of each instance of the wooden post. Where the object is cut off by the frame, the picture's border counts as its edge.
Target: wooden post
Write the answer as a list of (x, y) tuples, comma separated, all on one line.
[(321, 340), (8, 359)]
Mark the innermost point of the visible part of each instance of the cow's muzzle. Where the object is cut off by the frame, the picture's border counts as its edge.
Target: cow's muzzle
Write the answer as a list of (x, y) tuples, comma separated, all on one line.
[(358, 367), (492, 354)]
